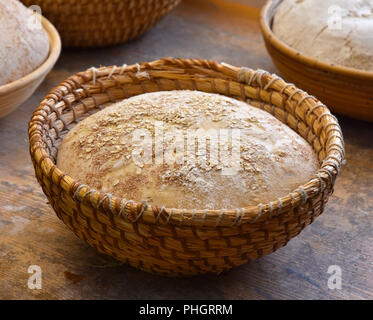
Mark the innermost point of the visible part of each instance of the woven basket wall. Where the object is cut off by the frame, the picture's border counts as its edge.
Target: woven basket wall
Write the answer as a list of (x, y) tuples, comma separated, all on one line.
[(182, 242), (93, 23)]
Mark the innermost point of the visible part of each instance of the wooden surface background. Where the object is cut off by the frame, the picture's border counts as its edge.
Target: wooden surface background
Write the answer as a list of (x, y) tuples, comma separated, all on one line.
[(31, 234)]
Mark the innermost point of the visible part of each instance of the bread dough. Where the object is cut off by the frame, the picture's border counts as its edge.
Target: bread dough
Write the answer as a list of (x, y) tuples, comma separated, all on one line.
[(22, 47), (333, 31), (103, 151)]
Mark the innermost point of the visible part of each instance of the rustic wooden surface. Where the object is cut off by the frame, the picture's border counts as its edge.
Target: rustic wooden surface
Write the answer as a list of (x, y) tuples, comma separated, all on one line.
[(31, 234)]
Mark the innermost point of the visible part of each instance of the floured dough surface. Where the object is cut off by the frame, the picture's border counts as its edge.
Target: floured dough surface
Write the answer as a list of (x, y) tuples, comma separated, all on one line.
[(23, 48), (107, 152), (333, 31)]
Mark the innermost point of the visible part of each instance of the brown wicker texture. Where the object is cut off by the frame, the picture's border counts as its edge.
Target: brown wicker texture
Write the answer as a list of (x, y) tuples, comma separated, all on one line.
[(345, 90), (13, 94), (97, 23), (177, 241)]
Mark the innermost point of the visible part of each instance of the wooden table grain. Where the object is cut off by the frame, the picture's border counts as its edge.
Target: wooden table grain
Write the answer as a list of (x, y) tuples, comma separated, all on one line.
[(31, 234)]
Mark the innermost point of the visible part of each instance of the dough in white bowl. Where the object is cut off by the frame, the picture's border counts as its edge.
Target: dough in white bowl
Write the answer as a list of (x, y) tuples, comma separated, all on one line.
[(24, 44), (333, 31)]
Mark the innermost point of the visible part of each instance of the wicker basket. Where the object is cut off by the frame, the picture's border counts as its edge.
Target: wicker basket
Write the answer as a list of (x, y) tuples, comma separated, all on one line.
[(96, 23), (176, 241), (323, 80), (13, 94)]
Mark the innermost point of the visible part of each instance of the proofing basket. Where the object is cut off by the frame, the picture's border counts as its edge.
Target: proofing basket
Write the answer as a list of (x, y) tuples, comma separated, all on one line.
[(96, 23), (13, 94), (181, 241), (345, 90)]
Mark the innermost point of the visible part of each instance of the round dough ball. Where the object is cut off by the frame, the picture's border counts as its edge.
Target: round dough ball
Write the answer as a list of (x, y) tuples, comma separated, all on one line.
[(106, 152), (23, 48), (332, 31)]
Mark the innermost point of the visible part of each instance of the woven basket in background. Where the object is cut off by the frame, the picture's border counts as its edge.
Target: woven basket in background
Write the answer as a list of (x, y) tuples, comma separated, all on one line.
[(176, 241), (94, 23)]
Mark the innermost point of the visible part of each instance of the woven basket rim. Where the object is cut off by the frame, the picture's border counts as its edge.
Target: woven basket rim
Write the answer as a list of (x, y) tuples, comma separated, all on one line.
[(118, 21), (328, 170), (266, 16), (54, 53)]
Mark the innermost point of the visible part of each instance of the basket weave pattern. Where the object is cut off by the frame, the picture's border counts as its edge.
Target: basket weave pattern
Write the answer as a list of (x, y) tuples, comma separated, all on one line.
[(92, 23), (179, 241)]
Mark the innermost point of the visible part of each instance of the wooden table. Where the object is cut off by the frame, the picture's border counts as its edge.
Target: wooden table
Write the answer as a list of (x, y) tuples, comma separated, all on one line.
[(31, 234)]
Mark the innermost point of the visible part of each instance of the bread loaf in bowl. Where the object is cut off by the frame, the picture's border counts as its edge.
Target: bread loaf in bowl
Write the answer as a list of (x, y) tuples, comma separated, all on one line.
[(310, 48), (189, 160), (24, 43), (333, 31), (159, 238)]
